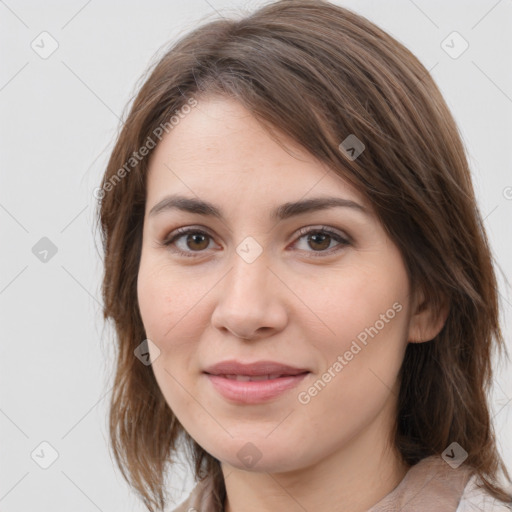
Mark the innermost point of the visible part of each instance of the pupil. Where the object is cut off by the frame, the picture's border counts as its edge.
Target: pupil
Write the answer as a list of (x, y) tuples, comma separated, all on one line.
[(322, 237), (195, 237)]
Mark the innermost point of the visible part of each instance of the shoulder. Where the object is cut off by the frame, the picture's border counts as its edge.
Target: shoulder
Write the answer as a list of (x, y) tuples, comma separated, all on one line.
[(476, 499)]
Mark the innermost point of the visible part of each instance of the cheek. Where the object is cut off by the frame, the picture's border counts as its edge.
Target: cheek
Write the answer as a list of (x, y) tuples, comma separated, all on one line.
[(366, 313), (173, 316), (153, 301), (163, 307), (162, 300), (366, 299)]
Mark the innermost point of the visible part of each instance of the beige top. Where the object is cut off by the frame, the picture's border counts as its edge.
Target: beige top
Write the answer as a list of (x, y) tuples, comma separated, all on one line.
[(431, 485)]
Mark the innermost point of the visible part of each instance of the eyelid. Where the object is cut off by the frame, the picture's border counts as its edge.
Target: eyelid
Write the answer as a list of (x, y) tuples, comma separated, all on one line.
[(327, 229), (176, 233)]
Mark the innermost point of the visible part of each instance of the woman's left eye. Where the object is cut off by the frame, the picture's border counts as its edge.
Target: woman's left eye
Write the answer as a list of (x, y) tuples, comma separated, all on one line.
[(322, 238), (188, 237)]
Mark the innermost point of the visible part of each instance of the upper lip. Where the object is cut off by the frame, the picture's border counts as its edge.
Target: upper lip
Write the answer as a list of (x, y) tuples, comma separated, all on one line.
[(252, 369)]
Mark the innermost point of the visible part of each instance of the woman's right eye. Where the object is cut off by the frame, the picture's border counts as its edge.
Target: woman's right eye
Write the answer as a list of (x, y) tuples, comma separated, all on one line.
[(193, 238)]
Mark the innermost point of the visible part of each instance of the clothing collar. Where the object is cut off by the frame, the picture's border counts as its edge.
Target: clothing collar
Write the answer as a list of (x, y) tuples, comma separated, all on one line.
[(430, 485)]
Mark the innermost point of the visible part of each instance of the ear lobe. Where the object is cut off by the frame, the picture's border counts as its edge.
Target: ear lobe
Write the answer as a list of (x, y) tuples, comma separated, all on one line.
[(427, 322)]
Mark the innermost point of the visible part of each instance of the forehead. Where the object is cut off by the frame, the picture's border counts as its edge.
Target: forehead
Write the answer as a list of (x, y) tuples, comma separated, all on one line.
[(219, 149)]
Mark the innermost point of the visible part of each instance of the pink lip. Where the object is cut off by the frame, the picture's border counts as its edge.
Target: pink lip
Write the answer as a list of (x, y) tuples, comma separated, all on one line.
[(253, 392)]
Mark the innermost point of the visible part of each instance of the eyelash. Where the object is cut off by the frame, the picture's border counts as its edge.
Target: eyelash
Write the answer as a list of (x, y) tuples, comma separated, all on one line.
[(181, 232)]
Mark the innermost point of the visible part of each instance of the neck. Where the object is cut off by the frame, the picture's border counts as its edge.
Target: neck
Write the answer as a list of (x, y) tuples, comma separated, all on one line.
[(351, 479)]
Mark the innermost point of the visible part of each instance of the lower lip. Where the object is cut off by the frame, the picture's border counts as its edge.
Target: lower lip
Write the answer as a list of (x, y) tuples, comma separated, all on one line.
[(254, 392)]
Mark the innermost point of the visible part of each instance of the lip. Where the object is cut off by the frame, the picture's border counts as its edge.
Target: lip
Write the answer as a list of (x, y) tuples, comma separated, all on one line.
[(284, 378), (257, 368)]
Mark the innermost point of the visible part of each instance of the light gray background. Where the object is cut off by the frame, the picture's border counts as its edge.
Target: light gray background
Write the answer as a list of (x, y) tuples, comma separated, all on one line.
[(59, 117)]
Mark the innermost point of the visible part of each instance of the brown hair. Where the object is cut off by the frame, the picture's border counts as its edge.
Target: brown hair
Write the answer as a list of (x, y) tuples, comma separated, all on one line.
[(318, 73)]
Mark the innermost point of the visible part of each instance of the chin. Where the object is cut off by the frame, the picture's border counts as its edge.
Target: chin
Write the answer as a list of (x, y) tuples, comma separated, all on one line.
[(277, 463), (261, 455)]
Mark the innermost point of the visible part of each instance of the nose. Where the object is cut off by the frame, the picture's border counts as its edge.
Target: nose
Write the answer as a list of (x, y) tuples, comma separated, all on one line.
[(250, 305)]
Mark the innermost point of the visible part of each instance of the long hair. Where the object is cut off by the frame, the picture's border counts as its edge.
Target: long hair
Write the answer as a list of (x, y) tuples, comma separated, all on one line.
[(318, 73)]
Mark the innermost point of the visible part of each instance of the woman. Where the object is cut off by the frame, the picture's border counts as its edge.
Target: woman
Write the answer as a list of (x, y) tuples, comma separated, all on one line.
[(299, 276)]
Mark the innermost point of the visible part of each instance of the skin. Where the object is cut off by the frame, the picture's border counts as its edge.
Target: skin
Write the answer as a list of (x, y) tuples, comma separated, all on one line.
[(336, 451)]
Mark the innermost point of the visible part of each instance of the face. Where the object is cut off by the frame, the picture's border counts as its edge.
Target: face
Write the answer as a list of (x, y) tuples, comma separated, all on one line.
[(320, 293)]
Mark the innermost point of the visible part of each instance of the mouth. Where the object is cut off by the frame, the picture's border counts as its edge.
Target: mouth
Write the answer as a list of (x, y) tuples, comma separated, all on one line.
[(254, 378), (264, 369), (253, 383)]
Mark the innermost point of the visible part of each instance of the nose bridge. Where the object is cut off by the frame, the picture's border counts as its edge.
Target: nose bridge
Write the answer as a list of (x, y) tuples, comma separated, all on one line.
[(247, 303), (249, 275)]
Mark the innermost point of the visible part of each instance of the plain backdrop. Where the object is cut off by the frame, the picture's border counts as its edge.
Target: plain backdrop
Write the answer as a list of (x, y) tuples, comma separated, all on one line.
[(59, 115)]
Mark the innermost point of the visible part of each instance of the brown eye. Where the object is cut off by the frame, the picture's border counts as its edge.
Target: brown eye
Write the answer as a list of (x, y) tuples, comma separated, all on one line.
[(320, 240), (187, 241), (196, 241)]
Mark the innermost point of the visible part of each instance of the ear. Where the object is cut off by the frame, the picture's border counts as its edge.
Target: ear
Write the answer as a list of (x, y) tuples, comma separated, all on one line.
[(426, 322)]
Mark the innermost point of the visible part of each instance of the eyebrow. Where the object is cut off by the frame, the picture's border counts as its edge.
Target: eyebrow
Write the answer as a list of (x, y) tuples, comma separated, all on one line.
[(282, 212)]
